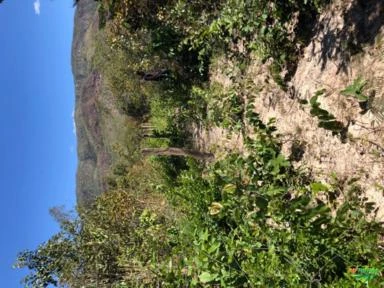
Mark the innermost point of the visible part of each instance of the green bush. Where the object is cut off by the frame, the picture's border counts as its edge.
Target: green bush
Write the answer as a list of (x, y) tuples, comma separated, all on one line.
[(255, 221), (116, 240)]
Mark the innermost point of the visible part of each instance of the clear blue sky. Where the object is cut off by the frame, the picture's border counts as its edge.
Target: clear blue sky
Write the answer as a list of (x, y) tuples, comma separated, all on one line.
[(38, 145)]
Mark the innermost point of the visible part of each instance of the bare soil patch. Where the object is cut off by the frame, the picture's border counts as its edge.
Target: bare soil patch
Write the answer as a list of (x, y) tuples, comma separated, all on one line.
[(348, 43)]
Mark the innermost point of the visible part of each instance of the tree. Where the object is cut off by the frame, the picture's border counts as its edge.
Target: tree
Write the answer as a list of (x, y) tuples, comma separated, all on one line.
[(174, 151), (53, 262), (100, 247)]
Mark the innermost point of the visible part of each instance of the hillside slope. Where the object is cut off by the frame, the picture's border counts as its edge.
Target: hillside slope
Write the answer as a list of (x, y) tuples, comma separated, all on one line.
[(99, 123), (88, 182), (346, 44), (346, 47), (224, 144)]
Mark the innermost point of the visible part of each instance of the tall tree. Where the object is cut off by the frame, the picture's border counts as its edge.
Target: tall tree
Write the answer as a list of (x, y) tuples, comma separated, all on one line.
[(96, 249)]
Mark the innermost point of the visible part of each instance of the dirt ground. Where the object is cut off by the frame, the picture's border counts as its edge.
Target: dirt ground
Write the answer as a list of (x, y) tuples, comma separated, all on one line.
[(348, 43)]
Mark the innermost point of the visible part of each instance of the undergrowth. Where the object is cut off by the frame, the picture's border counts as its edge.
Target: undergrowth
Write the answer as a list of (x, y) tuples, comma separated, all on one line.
[(244, 221), (253, 221), (248, 220)]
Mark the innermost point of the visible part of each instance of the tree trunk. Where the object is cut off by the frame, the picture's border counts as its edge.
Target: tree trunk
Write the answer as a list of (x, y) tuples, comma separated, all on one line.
[(173, 151)]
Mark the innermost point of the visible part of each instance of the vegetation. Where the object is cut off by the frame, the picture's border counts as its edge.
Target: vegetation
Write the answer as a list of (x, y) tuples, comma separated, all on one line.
[(244, 220), (358, 90), (355, 90), (252, 221), (326, 119), (101, 246)]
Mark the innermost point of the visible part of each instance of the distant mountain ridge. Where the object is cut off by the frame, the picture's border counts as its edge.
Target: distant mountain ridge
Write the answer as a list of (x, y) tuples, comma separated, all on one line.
[(99, 122), (90, 149)]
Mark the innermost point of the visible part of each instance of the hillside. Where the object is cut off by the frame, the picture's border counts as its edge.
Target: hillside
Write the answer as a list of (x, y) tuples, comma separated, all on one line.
[(345, 46), (88, 175), (227, 143), (99, 123)]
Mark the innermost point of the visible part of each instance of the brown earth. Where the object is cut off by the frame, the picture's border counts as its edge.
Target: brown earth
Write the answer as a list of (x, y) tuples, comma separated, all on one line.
[(348, 43)]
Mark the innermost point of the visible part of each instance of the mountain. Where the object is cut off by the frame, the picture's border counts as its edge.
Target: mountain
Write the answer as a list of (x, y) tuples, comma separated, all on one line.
[(89, 146), (99, 123)]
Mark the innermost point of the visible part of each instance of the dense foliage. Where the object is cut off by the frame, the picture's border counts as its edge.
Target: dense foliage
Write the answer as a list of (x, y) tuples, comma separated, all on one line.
[(106, 244), (244, 220), (254, 221)]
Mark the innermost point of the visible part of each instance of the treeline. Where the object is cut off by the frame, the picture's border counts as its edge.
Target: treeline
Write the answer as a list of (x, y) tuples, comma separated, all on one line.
[(247, 220)]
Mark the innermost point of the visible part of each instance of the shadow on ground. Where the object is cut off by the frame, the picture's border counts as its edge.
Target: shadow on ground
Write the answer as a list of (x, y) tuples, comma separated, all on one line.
[(362, 22)]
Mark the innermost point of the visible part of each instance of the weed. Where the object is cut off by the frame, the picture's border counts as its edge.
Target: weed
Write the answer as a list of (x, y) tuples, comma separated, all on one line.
[(355, 90), (326, 119), (366, 102)]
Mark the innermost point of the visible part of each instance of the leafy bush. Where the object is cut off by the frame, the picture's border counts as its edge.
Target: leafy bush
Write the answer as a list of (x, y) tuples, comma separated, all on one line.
[(358, 90), (255, 221), (116, 240), (184, 30), (243, 221)]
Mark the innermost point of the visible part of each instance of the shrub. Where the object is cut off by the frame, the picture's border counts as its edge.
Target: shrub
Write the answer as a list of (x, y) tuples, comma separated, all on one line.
[(255, 221)]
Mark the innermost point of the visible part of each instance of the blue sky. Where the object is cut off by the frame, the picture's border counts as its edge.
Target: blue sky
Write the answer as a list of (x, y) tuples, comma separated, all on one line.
[(38, 145)]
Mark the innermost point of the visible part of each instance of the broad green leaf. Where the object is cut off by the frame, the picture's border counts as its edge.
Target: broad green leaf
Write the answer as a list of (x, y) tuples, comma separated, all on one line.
[(313, 101), (206, 277), (229, 188)]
